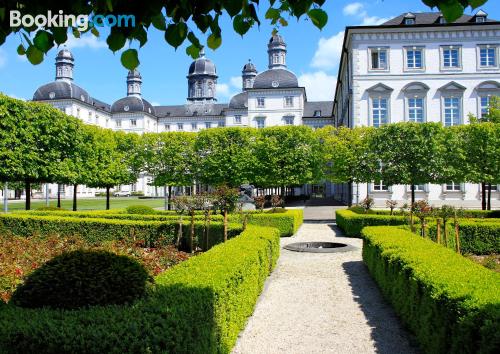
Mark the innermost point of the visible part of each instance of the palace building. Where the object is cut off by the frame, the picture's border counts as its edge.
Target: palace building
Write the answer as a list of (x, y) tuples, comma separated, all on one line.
[(269, 98), (418, 68)]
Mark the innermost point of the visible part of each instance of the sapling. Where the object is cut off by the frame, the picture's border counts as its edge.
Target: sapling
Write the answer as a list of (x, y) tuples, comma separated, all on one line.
[(367, 203), (391, 204), (260, 201), (227, 198), (422, 209), (445, 213)]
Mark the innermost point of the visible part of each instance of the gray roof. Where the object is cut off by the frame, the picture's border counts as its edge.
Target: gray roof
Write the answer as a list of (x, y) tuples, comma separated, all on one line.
[(281, 78), (277, 39), (249, 67), (191, 110), (131, 104), (239, 101), (326, 108), (64, 54), (202, 66), (101, 105), (61, 89), (428, 18)]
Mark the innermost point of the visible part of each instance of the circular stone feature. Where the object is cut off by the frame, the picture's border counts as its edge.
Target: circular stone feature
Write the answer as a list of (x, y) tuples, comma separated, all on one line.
[(319, 247)]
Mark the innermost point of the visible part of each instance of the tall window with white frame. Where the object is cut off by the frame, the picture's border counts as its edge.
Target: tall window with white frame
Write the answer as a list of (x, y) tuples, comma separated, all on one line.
[(133, 123), (194, 126), (416, 109), (261, 122), (380, 114), (167, 127), (453, 187), (380, 186), (288, 120), (180, 126), (261, 102), (451, 111), (414, 58), (485, 105), (288, 101), (208, 125), (237, 119), (450, 57), (378, 59), (118, 123), (488, 56)]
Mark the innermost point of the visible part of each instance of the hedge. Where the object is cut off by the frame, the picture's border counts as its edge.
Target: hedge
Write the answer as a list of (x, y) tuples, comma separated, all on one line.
[(476, 236), (198, 306), (352, 223), (449, 302), (481, 214), (107, 228), (287, 222)]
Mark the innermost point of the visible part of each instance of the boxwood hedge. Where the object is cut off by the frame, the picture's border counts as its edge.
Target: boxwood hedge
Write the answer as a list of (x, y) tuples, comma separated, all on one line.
[(449, 302), (475, 236), (198, 306), (352, 223)]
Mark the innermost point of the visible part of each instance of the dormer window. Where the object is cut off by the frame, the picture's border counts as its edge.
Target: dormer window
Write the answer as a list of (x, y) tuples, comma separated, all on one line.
[(442, 20), (409, 19), (317, 113), (480, 16), (480, 19)]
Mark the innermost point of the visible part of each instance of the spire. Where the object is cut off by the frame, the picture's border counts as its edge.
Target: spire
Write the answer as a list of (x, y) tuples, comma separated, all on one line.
[(248, 75), (134, 82), (64, 65), (276, 50), (202, 80)]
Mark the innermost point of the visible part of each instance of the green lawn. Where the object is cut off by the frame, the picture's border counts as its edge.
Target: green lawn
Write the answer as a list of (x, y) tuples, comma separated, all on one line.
[(88, 204)]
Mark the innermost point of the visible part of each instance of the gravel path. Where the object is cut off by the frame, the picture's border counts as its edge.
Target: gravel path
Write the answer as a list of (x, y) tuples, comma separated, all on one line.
[(322, 303)]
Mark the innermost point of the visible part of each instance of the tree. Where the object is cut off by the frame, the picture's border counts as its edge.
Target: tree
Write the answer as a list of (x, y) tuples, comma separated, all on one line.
[(170, 158), (481, 147), (227, 198), (348, 156), (178, 20), (410, 153), (287, 156), (227, 156)]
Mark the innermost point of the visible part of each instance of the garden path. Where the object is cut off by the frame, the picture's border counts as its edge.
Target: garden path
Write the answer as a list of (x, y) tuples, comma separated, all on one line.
[(322, 303)]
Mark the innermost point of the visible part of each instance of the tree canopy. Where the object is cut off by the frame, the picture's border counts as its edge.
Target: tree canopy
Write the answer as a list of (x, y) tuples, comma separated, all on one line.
[(179, 21)]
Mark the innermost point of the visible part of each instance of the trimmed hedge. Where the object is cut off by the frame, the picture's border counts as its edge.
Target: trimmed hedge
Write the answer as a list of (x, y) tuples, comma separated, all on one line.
[(448, 301), (476, 236), (287, 222), (481, 214), (352, 223), (198, 306), (108, 227)]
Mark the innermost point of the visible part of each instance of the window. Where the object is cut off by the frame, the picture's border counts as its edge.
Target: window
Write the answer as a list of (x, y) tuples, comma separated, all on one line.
[(451, 111), (90, 116), (409, 21), (442, 20), (288, 101), (416, 110), (485, 106), (378, 57), (450, 57), (261, 102), (288, 120), (107, 122), (379, 111), (237, 119), (317, 113), (261, 122), (133, 123), (78, 112), (180, 126), (118, 123), (494, 187), (487, 56), (453, 187), (414, 58), (194, 126), (418, 188), (379, 186), (480, 19), (221, 124), (167, 127), (208, 125)]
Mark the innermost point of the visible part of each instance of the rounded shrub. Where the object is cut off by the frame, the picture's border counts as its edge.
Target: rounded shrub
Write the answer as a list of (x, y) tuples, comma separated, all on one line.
[(49, 208), (140, 209), (83, 278)]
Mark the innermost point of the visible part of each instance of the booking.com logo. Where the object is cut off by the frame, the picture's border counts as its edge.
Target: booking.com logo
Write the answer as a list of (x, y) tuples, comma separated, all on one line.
[(59, 19)]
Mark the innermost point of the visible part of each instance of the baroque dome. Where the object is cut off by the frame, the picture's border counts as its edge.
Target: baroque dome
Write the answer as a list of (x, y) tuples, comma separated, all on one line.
[(60, 89), (275, 78), (202, 66), (132, 104)]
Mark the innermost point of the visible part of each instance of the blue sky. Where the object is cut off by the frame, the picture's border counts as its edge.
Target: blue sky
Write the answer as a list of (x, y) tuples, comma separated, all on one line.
[(312, 54)]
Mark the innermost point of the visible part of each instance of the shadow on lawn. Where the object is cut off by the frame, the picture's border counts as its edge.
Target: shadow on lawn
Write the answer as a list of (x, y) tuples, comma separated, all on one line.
[(388, 333)]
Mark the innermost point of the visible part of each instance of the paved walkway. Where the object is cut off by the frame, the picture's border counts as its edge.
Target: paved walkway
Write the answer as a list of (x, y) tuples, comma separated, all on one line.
[(322, 303)]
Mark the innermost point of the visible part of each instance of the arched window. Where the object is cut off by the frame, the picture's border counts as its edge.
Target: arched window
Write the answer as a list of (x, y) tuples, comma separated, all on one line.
[(199, 90)]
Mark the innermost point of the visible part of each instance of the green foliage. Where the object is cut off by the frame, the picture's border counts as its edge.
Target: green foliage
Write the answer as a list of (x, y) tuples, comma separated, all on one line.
[(352, 223), (198, 306), (476, 237), (287, 222), (140, 209), (48, 208), (450, 303), (83, 278)]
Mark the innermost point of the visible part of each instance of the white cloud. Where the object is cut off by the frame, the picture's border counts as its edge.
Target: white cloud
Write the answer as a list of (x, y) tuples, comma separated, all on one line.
[(353, 8), (225, 90), (85, 41), (319, 85), (328, 53), (154, 103), (235, 81), (373, 20), (3, 58)]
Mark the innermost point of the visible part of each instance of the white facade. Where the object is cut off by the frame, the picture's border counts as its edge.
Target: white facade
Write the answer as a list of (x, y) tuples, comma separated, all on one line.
[(426, 73)]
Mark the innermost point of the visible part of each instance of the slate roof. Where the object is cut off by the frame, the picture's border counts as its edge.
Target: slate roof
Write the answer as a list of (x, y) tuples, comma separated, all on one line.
[(284, 79), (326, 108), (428, 18), (239, 101), (102, 105), (131, 104), (191, 110), (61, 89)]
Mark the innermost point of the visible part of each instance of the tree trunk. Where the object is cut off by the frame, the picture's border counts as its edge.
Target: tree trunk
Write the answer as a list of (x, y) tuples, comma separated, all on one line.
[(165, 198), (207, 229), (489, 197), (283, 196), (169, 197), (75, 187), (59, 196), (225, 225), (107, 197), (483, 196), (28, 195), (412, 195), (5, 197), (191, 236)]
